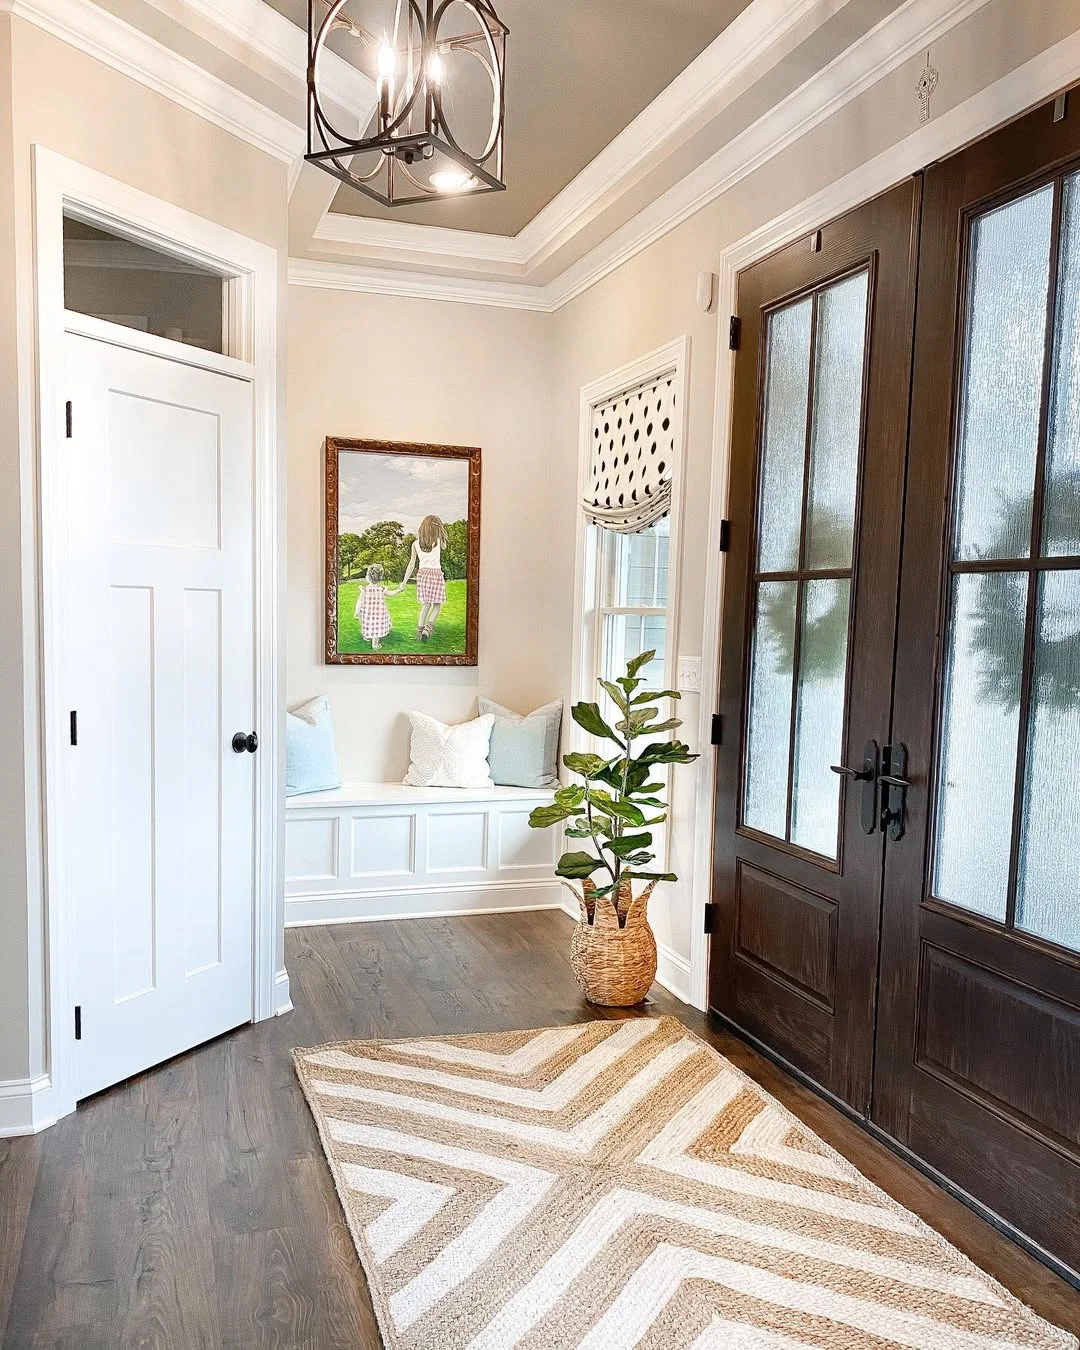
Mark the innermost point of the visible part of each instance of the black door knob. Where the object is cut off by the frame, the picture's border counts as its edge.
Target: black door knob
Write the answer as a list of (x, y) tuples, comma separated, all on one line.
[(245, 740)]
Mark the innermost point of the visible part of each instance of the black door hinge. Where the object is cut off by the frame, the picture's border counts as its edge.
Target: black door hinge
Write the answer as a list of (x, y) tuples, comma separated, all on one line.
[(709, 917), (78, 1021), (73, 718), (67, 419), (734, 333), (716, 735), (725, 535)]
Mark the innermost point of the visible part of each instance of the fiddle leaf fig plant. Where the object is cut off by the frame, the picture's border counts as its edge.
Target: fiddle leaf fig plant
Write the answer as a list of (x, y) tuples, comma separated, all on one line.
[(618, 802)]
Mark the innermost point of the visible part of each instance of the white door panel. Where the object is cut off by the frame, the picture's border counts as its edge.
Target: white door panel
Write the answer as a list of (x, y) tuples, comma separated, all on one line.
[(159, 664)]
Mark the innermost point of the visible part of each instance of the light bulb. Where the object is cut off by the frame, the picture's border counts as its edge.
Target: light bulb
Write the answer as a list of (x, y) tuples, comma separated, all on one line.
[(435, 69), (451, 180), (386, 61)]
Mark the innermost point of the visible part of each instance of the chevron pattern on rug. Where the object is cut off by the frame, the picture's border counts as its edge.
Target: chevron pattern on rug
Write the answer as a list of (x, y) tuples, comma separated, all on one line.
[(620, 1184)]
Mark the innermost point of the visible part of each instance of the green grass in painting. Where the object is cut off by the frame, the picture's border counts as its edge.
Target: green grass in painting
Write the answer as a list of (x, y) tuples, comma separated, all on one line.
[(447, 638)]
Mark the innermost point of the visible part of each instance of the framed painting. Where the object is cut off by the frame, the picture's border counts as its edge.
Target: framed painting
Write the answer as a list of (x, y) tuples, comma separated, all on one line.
[(402, 553)]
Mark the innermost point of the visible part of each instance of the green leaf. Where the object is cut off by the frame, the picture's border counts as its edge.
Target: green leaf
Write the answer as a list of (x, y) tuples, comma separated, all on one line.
[(577, 866), (669, 724), (614, 693), (651, 801), (653, 876), (637, 721), (629, 843), (601, 801), (627, 811), (639, 859), (627, 684), (582, 831), (570, 796), (634, 665), (585, 764), (611, 774), (540, 817), (666, 752), (649, 696), (598, 891), (587, 716), (656, 820)]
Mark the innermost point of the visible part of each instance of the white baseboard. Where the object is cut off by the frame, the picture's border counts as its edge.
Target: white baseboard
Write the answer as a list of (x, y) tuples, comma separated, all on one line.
[(420, 902), (282, 1001), (26, 1105), (672, 970)]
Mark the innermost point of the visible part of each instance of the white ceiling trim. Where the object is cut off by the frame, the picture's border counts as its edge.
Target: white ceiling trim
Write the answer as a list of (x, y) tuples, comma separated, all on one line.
[(1037, 80), (901, 35), (757, 34), (277, 39), (416, 285), (129, 51)]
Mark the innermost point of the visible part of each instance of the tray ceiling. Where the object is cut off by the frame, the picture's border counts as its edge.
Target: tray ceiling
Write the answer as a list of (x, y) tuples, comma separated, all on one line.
[(577, 74)]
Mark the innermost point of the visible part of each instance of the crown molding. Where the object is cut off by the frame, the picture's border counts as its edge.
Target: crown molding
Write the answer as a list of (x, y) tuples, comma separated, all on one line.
[(905, 32), (124, 48), (259, 27), (1036, 80), (417, 285)]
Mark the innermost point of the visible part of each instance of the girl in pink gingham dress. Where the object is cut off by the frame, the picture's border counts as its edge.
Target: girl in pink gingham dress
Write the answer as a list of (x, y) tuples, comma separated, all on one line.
[(426, 560), (371, 608)]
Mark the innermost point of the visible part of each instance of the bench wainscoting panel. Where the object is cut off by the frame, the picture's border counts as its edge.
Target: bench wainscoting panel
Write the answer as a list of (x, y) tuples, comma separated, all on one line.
[(392, 852)]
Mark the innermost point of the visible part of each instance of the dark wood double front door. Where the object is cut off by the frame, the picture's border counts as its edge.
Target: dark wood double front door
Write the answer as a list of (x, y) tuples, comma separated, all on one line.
[(896, 899)]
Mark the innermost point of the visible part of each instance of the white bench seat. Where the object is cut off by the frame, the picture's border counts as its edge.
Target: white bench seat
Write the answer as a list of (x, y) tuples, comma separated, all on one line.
[(384, 850)]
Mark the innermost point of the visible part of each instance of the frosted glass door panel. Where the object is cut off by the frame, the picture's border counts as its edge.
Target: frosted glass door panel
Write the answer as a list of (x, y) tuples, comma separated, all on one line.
[(808, 487), (977, 770), (1048, 899), (1061, 512), (1001, 394), (768, 742), (787, 390), (819, 726), (834, 448)]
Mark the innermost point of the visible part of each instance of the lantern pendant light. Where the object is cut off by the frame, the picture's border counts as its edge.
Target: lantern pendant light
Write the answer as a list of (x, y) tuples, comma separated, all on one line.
[(438, 70)]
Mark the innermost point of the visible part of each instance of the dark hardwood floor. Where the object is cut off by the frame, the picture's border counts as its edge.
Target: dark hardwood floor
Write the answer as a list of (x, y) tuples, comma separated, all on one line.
[(191, 1207)]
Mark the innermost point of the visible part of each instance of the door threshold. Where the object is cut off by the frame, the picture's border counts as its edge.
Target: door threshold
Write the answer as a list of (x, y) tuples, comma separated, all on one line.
[(1003, 1226)]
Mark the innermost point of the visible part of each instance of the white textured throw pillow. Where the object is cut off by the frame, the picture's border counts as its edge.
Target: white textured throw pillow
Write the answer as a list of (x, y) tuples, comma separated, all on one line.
[(453, 757)]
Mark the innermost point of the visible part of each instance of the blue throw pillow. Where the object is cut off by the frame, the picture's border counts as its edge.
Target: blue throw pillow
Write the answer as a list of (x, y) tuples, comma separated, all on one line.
[(310, 758), (524, 751)]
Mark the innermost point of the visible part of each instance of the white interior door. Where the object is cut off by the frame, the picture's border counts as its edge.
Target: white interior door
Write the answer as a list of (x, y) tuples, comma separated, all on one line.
[(159, 667)]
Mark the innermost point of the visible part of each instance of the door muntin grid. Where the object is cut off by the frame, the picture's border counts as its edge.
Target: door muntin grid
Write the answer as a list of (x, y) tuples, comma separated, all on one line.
[(1007, 771), (814, 368)]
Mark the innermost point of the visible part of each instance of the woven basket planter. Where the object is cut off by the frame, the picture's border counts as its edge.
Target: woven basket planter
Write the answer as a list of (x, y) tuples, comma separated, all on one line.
[(613, 951)]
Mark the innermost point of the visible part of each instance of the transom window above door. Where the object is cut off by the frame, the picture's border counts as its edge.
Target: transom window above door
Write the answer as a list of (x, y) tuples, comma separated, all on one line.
[(810, 437), (1009, 763)]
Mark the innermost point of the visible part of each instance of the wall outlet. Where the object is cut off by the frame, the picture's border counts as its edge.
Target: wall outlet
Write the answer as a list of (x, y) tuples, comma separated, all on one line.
[(690, 674)]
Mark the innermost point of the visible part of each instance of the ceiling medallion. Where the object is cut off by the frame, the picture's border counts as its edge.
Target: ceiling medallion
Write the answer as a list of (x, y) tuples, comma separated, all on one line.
[(437, 126)]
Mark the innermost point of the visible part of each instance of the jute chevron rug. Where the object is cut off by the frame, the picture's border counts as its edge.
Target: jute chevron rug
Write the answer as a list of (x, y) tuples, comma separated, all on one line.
[(619, 1184)]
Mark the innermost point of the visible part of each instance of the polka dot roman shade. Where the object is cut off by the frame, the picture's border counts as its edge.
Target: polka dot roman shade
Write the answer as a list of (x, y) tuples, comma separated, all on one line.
[(632, 451)]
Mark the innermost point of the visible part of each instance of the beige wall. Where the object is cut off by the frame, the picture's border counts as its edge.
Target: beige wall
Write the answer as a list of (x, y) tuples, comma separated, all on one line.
[(14, 1020), (75, 106), (420, 370), (651, 299)]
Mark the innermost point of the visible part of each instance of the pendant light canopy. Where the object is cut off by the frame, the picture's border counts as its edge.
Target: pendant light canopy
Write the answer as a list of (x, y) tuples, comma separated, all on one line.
[(437, 126)]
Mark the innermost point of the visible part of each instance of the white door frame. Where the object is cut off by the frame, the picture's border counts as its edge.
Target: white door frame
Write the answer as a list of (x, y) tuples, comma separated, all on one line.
[(251, 326), (1021, 89)]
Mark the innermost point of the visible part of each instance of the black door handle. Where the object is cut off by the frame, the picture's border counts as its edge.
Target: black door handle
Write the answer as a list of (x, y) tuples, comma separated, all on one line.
[(868, 776), (245, 740), (894, 762)]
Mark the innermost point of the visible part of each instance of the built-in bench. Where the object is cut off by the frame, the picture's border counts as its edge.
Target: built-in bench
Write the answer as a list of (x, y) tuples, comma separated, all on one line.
[(385, 851)]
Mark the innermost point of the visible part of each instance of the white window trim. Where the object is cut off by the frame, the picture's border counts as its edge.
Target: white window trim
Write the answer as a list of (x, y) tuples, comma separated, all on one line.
[(672, 359)]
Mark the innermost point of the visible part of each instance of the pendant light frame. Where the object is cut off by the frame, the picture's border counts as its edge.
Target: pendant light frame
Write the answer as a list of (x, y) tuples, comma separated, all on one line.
[(409, 127)]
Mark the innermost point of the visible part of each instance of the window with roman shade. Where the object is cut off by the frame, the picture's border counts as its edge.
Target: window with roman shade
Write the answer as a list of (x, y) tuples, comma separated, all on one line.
[(632, 450)]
